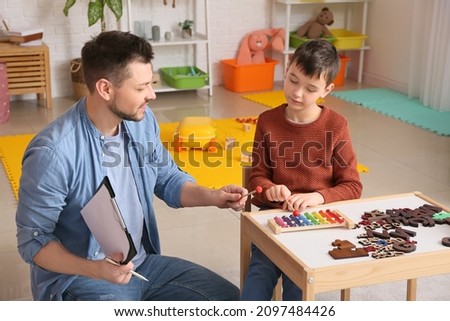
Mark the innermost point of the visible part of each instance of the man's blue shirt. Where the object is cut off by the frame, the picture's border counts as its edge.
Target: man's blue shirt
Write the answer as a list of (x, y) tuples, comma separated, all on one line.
[(61, 170)]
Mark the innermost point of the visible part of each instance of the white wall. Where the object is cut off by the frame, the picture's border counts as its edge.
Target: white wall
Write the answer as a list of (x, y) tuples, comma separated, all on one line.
[(386, 64), (389, 30)]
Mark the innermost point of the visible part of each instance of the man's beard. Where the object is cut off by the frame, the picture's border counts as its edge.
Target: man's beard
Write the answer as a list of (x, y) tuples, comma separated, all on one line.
[(131, 117)]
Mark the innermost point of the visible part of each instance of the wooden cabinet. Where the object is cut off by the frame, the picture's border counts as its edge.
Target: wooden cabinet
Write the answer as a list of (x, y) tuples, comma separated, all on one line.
[(28, 70), (282, 11), (4, 97)]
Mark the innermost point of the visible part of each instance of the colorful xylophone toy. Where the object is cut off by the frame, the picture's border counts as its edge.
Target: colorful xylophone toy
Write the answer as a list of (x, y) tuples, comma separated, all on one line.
[(309, 221)]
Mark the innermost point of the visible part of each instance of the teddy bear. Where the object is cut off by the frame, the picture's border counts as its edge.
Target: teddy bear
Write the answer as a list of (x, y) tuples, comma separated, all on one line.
[(254, 45), (317, 28)]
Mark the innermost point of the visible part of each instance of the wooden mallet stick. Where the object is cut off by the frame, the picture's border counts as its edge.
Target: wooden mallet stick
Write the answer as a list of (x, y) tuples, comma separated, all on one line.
[(257, 190)]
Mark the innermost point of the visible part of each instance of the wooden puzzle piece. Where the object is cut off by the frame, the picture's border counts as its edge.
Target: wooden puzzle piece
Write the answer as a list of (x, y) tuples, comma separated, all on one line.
[(374, 215), (406, 247), (382, 235), (387, 244), (429, 209), (402, 233), (343, 244), (372, 226), (345, 249), (384, 244), (424, 220), (442, 217), (426, 215), (397, 220), (382, 254), (446, 241), (396, 212)]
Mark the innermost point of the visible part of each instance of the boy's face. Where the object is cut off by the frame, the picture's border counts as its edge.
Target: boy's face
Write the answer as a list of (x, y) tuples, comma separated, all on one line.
[(301, 91)]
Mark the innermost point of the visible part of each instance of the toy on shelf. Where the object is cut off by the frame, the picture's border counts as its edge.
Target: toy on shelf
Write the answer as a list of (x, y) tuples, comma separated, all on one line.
[(317, 28), (309, 221), (196, 132), (254, 45)]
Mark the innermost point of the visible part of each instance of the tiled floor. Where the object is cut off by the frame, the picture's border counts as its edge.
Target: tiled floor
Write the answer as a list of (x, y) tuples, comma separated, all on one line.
[(401, 158)]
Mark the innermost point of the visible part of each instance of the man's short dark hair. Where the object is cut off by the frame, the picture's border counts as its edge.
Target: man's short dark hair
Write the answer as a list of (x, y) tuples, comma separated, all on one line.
[(109, 54)]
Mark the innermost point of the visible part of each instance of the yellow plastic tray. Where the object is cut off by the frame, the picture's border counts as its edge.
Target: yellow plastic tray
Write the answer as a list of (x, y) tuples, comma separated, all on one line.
[(346, 39)]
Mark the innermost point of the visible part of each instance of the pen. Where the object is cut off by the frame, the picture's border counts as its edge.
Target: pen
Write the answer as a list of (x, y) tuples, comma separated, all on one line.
[(131, 271)]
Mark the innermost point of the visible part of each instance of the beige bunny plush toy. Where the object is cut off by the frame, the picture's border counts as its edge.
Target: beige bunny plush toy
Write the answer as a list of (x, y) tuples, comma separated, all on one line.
[(254, 45)]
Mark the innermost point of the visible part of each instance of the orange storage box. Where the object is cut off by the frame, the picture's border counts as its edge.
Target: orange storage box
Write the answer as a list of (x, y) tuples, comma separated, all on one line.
[(254, 77), (340, 78)]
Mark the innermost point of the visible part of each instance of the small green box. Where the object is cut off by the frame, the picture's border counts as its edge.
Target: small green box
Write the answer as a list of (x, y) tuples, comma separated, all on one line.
[(185, 77), (295, 41)]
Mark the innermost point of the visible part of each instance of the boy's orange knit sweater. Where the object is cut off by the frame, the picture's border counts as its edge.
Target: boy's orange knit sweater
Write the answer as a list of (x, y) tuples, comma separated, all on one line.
[(314, 157)]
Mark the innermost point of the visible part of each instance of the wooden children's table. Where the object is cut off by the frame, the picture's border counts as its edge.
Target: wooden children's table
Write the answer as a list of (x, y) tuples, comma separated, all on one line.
[(304, 255)]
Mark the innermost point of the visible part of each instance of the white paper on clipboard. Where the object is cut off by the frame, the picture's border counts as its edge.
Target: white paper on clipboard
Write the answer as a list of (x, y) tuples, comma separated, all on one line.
[(103, 217)]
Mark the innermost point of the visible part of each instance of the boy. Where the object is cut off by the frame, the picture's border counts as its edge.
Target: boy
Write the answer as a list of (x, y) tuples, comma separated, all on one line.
[(302, 156)]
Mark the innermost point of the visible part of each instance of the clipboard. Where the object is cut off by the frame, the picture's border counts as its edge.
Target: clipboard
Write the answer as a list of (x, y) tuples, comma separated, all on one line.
[(105, 221)]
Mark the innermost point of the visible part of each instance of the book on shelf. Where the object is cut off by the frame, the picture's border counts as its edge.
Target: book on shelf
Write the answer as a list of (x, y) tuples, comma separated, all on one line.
[(25, 31), (22, 39), (36, 42)]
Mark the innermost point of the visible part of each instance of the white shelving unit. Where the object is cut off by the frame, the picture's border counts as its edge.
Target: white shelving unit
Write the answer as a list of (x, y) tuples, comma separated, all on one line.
[(198, 39), (288, 4)]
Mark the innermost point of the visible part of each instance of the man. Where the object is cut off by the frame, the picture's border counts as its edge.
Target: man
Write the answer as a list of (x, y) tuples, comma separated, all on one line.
[(110, 133)]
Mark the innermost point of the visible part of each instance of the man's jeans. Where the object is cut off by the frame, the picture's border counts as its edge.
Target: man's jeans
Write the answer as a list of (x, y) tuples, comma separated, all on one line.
[(171, 279)]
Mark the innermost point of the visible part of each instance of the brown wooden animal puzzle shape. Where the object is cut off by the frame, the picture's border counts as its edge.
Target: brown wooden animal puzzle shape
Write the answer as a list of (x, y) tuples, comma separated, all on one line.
[(346, 249)]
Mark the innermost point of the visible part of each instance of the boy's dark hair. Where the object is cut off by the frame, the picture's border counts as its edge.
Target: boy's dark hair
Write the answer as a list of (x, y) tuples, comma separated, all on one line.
[(109, 54), (316, 57)]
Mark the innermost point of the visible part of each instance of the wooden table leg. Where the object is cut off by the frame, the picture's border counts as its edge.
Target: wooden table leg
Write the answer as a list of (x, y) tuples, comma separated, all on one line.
[(411, 290), (308, 294), (245, 250), (345, 295)]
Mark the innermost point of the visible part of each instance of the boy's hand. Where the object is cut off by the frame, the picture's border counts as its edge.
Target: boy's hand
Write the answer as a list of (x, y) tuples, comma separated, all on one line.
[(278, 193), (301, 201)]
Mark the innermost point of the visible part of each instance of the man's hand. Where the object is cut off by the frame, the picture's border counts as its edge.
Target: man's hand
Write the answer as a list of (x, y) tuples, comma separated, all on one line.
[(230, 196), (115, 272)]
